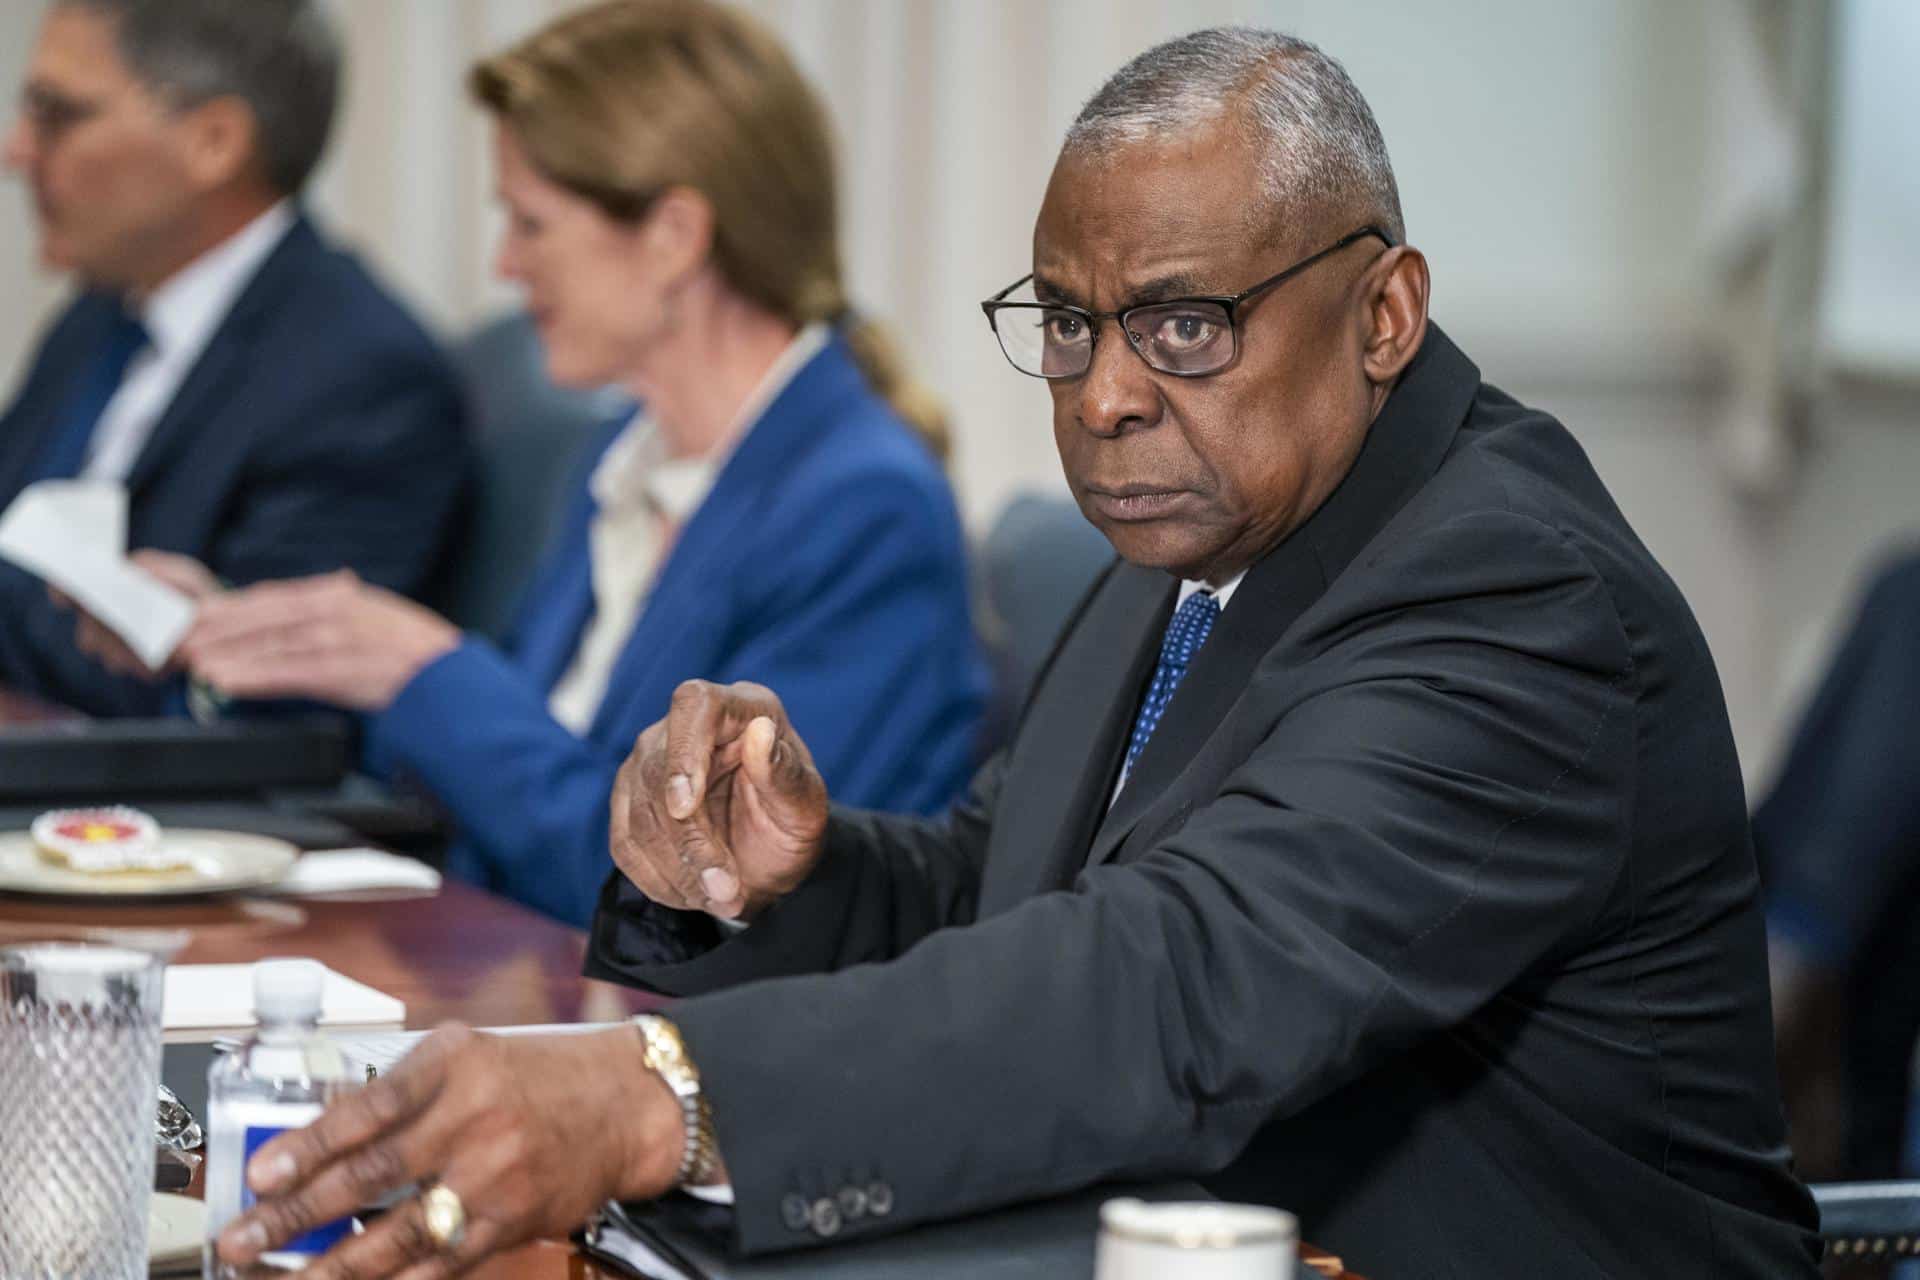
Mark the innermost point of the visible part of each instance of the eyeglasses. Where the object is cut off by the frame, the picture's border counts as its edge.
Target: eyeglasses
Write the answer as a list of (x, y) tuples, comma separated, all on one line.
[(52, 115), (1185, 337)]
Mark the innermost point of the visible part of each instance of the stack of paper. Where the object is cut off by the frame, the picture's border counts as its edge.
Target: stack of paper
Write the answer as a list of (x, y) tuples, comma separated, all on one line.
[(73, 533), (204, 999)]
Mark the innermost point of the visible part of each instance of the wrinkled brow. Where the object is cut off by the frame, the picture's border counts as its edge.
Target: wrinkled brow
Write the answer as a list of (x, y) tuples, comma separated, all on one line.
[(1159, 289)]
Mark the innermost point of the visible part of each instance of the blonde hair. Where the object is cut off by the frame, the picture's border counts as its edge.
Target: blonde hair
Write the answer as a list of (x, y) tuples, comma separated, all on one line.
[(621, 100)]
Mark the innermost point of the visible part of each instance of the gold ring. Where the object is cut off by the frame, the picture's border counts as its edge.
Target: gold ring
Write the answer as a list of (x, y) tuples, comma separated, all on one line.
[(446, 1217)]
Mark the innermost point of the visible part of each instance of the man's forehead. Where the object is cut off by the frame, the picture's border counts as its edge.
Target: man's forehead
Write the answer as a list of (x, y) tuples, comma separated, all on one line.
[(1143, 254), (1147, 215), (78, 49)]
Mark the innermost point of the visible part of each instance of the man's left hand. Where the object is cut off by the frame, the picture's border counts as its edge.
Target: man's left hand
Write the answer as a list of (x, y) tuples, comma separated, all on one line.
[(532, 1133)]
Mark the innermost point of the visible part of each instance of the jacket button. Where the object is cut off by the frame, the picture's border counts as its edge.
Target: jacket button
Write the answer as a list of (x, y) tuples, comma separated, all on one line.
[(853, 1204), (826, 1218), (879, 1199), (793, 1212)]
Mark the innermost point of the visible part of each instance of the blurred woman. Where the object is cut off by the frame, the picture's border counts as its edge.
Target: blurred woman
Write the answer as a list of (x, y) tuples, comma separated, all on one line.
[(776, 511)]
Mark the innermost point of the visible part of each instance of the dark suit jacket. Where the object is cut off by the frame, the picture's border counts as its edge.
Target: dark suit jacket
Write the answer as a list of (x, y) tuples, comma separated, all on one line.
[(321, 428), (1429, 912), (827, 561)]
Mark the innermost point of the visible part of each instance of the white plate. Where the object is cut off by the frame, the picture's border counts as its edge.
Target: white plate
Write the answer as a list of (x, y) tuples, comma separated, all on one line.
[(176, 1226), (221, 861)]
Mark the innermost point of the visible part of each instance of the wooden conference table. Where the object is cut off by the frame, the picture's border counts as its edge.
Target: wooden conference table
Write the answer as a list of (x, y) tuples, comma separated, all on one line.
[(457, 954)]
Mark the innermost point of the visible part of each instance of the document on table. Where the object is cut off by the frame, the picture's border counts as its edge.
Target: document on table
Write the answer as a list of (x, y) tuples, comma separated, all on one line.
[(377, 1053), (201, 999), (73, 534)]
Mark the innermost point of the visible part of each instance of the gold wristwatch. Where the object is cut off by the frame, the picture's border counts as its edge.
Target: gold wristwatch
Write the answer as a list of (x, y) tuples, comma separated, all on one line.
[(666, 1056)]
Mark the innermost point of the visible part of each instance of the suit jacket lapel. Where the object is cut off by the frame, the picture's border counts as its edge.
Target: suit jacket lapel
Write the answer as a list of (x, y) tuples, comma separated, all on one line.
[(211, 384), (1403, 448), (706, 548), (1272, 595), (1062, 774), (553, 633)]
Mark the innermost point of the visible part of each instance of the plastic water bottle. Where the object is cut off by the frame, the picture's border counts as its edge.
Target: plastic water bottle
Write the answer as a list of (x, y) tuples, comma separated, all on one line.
[(279, 1078)]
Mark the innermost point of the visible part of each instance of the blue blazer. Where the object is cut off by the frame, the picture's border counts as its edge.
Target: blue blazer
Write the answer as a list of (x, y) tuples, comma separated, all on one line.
[(320, 429), (827, 563)]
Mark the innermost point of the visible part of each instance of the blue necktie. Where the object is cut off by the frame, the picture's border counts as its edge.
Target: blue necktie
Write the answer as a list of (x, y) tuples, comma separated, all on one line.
[(1192, 622), (65, 451)]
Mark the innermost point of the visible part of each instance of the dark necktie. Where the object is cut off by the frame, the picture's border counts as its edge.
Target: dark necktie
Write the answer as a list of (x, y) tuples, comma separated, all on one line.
[(1192, 622), (65, 451)]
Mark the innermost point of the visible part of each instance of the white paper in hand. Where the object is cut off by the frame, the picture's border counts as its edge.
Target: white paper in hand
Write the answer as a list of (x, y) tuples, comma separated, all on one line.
[(73, 533)]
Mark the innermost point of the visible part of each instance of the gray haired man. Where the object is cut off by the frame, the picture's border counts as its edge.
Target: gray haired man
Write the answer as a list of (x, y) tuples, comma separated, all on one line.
[(270, 409), (1371, 845)]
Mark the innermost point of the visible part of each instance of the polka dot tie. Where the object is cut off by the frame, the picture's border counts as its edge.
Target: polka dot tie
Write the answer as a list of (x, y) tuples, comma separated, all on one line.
[(1192, 622)]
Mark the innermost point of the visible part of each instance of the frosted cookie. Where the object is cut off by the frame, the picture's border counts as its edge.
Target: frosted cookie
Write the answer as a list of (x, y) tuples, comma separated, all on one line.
[(103, 841)]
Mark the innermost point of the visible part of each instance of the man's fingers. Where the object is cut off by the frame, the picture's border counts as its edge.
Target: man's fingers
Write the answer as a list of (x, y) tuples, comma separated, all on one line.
[(779, 766), (667, 828), (760, 752), (357, 1151), (382, 1107), (483, 1239), (692, 725), (360, 1177), (634, 835), (703, 722), (399, 1243), (708, 875), (619, 817)]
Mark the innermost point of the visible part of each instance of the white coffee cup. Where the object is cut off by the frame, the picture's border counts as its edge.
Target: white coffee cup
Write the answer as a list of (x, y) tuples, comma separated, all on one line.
[(1198, 1240)]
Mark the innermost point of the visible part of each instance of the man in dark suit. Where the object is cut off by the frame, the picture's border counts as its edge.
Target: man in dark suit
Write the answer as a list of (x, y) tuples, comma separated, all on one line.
[(269, 408), (1839, 841), (1371, 845)]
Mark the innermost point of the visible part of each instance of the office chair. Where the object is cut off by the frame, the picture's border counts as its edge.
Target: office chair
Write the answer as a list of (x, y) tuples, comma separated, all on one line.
[(1869, 1221)]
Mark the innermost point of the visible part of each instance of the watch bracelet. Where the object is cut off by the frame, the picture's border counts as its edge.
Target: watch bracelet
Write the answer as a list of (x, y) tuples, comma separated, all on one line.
[(700, 1155)]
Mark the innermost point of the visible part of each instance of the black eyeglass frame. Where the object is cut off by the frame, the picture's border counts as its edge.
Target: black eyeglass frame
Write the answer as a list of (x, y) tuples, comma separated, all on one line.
[(1230, 303)]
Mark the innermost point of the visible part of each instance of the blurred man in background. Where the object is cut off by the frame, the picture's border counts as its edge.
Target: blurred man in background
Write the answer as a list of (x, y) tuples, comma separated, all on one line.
[(270, 409), (1839, 839)]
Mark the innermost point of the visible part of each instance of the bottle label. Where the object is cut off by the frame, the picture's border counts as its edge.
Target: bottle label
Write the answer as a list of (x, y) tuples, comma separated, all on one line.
[(313, 1243)]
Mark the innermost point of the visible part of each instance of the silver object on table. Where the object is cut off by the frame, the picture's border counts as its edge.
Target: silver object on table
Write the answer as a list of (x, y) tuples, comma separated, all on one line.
[(174, 1126)]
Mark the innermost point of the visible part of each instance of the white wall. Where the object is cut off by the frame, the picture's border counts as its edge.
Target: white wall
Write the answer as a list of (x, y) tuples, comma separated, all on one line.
[(1869, 317), (1550, 159)]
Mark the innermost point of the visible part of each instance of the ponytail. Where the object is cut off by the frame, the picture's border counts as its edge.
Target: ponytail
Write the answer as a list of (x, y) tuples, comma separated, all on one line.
[(887, 372)]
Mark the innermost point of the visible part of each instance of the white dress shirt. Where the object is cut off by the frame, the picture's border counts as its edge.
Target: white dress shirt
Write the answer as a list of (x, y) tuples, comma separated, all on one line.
[(643, 498), (1221, 594), (180, 318)]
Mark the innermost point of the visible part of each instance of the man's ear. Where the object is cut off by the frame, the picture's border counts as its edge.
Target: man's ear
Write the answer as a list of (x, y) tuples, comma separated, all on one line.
[(221, 141), (1394, 292), (678, 232)]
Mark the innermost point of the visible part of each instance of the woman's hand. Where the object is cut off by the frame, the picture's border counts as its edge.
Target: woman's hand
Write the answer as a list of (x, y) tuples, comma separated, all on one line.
[(331, 638), (532, 1133)]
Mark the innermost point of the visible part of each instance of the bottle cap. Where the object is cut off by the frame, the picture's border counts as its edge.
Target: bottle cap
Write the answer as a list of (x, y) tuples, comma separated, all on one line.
[(288, 990)]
